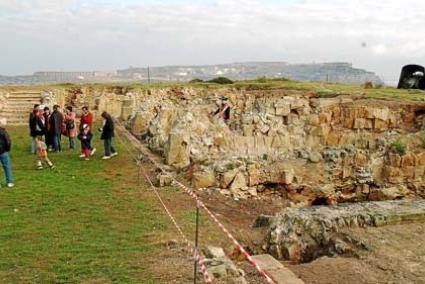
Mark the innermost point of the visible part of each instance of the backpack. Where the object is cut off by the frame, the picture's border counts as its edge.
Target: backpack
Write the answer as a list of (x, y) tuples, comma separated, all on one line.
[(70, 124)]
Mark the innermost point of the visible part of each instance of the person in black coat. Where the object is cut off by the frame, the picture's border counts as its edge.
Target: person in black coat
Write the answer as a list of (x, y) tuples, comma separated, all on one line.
[(36, 126), (5, 146), (56, 121), (107, 134)]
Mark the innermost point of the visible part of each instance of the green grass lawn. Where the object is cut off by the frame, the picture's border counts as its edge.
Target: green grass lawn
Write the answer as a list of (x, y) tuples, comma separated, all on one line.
[(83, 222)]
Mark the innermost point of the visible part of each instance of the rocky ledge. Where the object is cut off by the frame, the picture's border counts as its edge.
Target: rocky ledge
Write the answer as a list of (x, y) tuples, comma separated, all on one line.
[(303, 234)]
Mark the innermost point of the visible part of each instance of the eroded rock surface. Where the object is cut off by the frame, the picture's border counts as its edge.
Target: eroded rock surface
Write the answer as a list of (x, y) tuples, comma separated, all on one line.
[(303, 234), (308, 149)]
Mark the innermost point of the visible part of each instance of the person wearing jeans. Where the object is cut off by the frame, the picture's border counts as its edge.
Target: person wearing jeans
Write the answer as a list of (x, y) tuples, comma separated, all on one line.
[(56, 120), (5, 146), (107, 134)]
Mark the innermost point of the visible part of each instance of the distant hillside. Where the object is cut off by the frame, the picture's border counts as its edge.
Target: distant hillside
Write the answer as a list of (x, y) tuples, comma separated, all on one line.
[(338, 72), (326, 72)]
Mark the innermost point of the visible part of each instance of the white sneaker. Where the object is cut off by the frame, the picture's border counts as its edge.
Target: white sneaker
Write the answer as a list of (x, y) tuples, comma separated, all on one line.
[(114, 154), (82, 156), (10, 185), (93, 151), (106, 157)]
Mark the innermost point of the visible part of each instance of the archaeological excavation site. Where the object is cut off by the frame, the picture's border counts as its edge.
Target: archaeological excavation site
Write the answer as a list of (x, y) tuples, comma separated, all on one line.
[(323, 183)]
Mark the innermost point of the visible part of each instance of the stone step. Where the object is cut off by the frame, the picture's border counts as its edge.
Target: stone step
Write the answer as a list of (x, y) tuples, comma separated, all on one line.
[(276, 270), (18, 99), (23, 102)]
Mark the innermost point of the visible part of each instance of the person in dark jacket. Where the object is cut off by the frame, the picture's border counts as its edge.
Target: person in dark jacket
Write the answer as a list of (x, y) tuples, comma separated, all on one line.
[(223, 111), (36, 126), (56, 120), (107, 134), (47, 128), (85, 137), (5, 146)]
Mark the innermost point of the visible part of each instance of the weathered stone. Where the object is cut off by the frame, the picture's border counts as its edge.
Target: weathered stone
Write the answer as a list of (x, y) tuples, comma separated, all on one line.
[(213, 252), (204, 178), (282, 108), (307, 233), (314, 157), (178, 150), (276, 270), (228, 177), (390, 193), (221, 268), (239, 181), (164, 180)]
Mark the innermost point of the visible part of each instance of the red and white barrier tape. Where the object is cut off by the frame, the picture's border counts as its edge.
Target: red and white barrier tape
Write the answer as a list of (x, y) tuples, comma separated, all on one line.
[(194, 251), (212, 215)]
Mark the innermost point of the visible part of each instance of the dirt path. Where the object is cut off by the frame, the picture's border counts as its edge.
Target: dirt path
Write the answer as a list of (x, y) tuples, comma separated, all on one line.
[(396, 254)]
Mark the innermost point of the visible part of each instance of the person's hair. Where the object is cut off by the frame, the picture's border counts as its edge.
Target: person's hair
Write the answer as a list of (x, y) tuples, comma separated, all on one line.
[(36, 106), (69, 108), (55, 107), (46, 108), (85, 108), (39, 137), (106, 115)]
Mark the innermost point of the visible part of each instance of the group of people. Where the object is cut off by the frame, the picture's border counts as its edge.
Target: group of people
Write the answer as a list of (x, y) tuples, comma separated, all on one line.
[(47, 129)]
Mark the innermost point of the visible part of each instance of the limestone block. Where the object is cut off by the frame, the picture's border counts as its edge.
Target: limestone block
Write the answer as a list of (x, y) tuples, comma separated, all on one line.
[(255, 175), (164, 180), (314, 157), (394, 175), (239, 181), (325, 118), (419, 173), (126, 113), (380, 125), (228, 177), (248, 129), (362, 123), (288, 176), (377, 113), (282, 108), (361, 159), (421, 158), (333, 139), (177, 150), (390, 193), (313, 119), (204, 178), (408, 160)]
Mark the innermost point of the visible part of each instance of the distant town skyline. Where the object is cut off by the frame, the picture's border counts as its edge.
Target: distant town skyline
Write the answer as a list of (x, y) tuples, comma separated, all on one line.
[(87, 35)]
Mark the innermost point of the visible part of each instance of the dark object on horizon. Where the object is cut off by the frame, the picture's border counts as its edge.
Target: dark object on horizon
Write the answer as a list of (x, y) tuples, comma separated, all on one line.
[(221, 80), (412, 77)]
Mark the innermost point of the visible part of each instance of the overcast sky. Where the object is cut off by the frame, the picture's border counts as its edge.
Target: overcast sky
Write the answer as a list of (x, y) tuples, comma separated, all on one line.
[(68, 35)]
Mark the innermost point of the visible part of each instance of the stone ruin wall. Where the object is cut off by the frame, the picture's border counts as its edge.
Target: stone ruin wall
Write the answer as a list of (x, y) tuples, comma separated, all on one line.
[(116, 101), (310, 150), (307, 149)]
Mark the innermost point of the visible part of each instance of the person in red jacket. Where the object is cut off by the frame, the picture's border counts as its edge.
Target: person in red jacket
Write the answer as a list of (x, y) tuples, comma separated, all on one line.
[(87, 119)]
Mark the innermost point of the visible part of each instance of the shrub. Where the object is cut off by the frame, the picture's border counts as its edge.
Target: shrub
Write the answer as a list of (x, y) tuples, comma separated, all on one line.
[(221, 80), (196, 80), (399, 147)]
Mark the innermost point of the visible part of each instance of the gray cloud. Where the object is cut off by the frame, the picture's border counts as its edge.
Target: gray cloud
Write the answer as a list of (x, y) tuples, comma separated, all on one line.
[(72, 35)]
